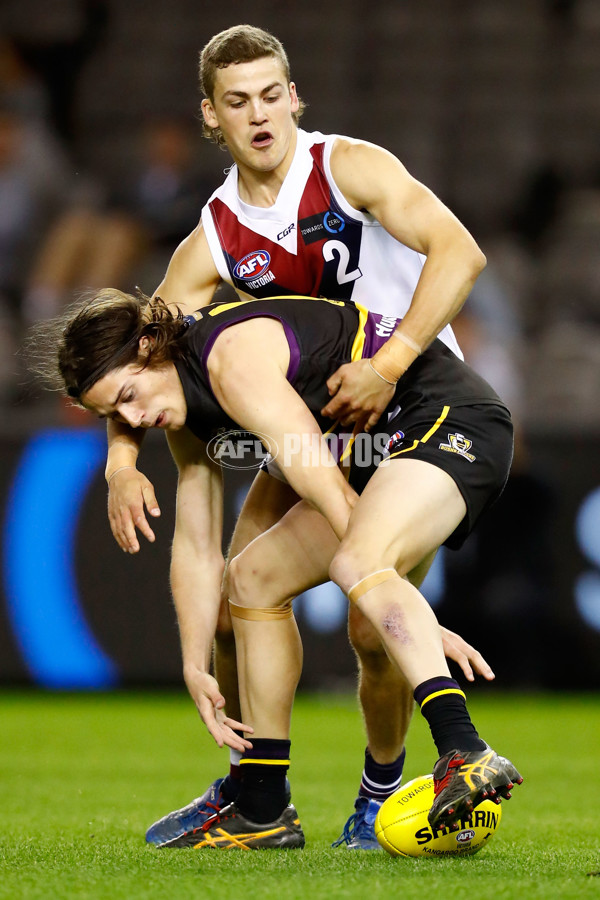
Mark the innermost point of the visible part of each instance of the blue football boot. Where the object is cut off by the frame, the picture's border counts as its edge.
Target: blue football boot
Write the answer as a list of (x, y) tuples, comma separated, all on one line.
[(359, 830), (188, 818)]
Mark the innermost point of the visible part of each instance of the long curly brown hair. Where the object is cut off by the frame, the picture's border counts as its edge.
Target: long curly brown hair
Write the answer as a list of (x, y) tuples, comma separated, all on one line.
[(101, 333)]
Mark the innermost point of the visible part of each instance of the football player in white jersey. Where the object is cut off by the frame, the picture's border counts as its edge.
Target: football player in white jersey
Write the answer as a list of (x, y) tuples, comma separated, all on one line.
[(252, 106)]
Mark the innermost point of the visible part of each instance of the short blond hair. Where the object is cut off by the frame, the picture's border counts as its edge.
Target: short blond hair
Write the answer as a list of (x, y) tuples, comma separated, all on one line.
[(239, 44)]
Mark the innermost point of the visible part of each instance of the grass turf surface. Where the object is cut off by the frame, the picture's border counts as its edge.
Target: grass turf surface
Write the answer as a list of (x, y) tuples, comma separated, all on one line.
[(84, 775)]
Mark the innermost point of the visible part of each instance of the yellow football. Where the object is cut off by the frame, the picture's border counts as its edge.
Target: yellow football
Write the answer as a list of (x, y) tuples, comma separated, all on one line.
[(402, 827)]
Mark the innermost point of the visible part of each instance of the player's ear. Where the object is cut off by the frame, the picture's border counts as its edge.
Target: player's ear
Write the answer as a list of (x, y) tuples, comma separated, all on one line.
[(294, 97), (209, 114), (144, 346)]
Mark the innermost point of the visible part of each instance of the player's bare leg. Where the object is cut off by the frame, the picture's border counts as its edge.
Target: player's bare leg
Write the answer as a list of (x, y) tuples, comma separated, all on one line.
[(266, 502), (385, 696), (369, 567), (290, 558), (387, 703)]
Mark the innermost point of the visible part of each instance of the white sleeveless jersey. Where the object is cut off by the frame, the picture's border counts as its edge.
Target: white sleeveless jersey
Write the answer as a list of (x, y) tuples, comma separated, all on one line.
[(311, 241)]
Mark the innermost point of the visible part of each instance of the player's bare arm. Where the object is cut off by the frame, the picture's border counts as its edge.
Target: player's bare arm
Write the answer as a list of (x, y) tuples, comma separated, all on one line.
[(196, 570), (191, 278), (375, 181), (252, 388), (190, 282)]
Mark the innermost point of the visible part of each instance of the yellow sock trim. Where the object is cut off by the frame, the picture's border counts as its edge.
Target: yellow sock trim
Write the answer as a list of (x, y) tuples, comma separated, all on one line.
[(440, 693), (262, 614), (264, 762), (370, 581)]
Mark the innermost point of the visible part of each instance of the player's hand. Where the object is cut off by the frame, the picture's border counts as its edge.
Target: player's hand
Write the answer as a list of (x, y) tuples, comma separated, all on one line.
[(468, 658), (129, 491), (358, 395), (210, 703)]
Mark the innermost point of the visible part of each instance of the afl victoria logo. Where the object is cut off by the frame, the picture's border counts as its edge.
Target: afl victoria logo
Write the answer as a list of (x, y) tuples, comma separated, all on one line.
[(252, 265)]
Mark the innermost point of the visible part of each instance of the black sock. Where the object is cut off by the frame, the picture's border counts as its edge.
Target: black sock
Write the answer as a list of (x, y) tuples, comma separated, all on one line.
[(380, 780), (444, 706), (230, 788), (262, 797)]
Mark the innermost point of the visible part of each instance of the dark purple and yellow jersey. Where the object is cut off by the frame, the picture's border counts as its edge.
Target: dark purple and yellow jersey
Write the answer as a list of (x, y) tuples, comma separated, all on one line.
[(322, 335)]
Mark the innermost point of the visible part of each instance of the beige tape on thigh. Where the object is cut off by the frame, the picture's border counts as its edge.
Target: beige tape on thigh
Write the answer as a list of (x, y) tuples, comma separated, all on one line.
[(262, 613), (370, 581)]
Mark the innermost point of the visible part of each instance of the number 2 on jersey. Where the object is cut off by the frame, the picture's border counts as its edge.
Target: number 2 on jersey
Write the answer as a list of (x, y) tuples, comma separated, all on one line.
[(331, 249)]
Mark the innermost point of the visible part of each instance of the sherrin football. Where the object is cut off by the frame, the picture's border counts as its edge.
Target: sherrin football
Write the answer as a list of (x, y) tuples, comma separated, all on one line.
[(402, 827)]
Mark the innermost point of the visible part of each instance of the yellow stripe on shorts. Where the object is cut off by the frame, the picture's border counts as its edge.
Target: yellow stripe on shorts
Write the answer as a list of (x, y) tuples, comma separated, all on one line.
[(443, 415)]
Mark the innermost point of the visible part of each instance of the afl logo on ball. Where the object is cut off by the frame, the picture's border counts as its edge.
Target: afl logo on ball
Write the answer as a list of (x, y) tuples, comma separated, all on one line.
[(252, 265), (465, 836)]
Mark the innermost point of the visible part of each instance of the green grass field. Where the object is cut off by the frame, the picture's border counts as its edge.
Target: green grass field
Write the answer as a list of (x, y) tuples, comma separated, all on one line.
[(83, 776)]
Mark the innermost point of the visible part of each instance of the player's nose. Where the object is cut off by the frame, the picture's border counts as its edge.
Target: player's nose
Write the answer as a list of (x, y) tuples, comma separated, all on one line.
[(257, 113), (133, 417)]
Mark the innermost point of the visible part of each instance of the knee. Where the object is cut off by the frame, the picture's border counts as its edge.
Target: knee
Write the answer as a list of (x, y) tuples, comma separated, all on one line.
[(348, 566), (250, 581), (242, 580)]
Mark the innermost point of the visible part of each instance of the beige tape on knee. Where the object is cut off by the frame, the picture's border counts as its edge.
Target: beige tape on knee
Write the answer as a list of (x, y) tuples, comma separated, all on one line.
[(264, 613), (370, 581)]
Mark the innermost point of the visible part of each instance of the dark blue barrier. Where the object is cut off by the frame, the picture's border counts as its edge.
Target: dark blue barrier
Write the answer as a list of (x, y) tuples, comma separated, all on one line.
[(78, 613)]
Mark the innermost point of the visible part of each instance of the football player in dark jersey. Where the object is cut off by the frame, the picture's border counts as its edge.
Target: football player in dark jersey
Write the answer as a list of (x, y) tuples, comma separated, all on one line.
[(447, 448)]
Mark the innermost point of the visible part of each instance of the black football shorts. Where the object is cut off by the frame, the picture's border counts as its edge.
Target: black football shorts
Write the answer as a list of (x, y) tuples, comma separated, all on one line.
[(472, 443)]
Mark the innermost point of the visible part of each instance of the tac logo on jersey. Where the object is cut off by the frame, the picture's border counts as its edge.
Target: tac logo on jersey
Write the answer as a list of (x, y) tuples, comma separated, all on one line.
[(459, 444), (319, 226), (333, 222), (252, 265)]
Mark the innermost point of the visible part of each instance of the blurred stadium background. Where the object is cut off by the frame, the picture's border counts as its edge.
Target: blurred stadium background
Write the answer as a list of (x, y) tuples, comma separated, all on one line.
[(495, 106)]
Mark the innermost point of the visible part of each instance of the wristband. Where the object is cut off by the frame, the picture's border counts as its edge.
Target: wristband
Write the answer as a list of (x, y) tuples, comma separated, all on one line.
[(120, 469), (379, 375)]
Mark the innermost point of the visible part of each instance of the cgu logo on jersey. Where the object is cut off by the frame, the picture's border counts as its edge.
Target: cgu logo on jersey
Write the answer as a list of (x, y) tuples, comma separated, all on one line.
[(253, 265), (286, 231)]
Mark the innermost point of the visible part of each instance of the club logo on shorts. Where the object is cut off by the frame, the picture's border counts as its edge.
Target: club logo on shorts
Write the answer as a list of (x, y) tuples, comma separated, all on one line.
[(459, 444), (253, 268), (396, 438)]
